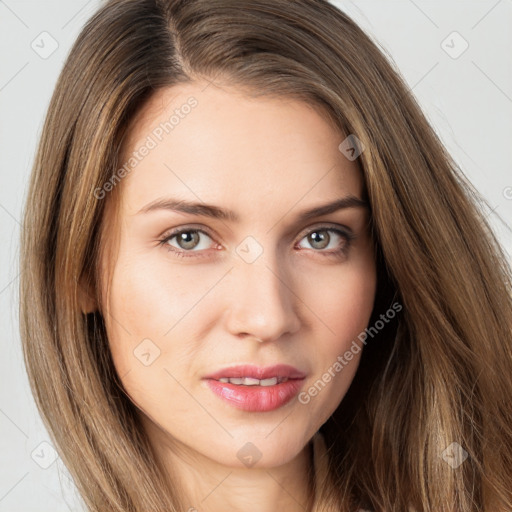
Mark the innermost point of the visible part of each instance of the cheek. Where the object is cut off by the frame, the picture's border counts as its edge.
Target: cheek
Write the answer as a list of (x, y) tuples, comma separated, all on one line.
[(137, 289), (148, 301), (146, 310), (343, 310), (344, 302), (141, 310), (152, 321)]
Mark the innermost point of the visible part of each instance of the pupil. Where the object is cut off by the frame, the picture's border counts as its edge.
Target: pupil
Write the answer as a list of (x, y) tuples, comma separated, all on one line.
[(188, 239), (320, 236)]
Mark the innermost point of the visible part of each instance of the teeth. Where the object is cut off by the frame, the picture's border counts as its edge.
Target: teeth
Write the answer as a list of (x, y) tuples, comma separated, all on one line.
[(236, 380), (249, 381), (269, 382)]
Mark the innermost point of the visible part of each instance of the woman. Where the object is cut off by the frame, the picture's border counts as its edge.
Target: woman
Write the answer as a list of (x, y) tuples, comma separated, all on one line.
[(253, 278)]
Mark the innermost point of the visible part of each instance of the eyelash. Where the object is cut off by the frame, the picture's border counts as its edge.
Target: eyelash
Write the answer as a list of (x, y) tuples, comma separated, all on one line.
[(341, 252)]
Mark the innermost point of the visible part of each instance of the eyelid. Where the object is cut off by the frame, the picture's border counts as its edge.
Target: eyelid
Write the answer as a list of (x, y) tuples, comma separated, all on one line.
[(172, 233), (328, 226), (340, 229), (306, 231), (187, 227)]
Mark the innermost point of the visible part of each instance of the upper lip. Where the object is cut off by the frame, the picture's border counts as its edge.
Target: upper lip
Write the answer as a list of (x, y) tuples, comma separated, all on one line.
[(257, 372)]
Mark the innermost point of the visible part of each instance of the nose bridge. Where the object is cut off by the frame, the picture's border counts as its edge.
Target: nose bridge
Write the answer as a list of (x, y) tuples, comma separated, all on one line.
[(261, 302)]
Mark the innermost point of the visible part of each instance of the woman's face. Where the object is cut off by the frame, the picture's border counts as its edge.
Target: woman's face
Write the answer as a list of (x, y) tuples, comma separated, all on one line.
[(197, 290)]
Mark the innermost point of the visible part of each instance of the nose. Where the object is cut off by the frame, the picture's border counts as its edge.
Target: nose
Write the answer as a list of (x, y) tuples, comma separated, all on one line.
[(261, 300)]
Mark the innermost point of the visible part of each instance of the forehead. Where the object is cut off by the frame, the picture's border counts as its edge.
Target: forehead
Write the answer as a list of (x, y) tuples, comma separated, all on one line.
[(204, 143)]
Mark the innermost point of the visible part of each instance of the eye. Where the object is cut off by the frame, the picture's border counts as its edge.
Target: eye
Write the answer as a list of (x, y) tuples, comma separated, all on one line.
[(192, 242), (187, 240), (321, 237)]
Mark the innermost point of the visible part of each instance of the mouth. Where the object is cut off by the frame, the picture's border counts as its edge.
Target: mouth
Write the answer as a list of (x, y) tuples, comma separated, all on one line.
[(249, 381), (249, 374), (256, 389)]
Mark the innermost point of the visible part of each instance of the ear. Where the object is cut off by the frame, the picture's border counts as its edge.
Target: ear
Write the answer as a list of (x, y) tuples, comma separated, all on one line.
[(86, 296)]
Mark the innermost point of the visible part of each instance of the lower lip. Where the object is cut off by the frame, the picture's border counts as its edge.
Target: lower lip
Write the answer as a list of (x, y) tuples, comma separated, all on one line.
[(256, 398)]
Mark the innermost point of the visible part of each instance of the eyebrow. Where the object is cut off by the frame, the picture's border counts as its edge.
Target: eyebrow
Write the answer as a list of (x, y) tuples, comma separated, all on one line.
[(216, 212)]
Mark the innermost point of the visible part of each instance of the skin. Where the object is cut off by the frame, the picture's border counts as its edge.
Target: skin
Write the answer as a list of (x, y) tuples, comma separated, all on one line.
[(267, 159)]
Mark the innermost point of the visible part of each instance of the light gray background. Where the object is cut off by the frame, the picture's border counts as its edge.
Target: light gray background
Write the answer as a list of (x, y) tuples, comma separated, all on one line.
[(467, 99)]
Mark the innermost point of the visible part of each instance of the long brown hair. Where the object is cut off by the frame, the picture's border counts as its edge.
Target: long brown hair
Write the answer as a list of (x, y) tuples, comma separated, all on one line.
[(439, 373)]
